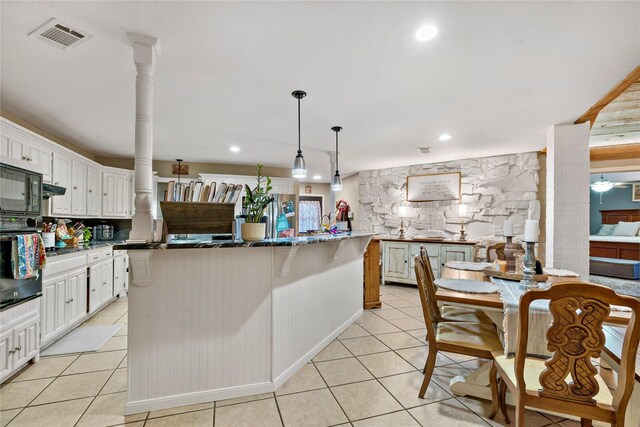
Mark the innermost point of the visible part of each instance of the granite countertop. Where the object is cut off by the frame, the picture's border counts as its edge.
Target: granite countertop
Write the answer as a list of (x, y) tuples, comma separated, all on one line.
[(84, 247), (289, 241)]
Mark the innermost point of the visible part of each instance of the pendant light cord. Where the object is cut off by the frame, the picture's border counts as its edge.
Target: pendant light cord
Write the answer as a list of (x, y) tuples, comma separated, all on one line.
[(299, 150), (337, 152)]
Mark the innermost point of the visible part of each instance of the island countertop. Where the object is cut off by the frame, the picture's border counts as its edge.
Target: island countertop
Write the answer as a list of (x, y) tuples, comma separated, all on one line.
[(285, 241)]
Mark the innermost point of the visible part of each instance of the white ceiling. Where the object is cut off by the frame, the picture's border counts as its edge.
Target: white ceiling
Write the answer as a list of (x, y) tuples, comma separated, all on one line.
[(496, 77)]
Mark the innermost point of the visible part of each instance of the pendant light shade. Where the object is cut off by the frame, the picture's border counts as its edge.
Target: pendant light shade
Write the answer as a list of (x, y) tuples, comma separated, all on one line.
[(299, 169), (336, 181)]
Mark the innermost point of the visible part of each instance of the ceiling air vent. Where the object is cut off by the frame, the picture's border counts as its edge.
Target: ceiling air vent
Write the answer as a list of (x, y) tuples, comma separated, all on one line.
[(60, 35)]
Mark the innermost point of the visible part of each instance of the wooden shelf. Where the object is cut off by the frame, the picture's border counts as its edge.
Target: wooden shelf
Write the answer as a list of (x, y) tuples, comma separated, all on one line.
[(197, 218)]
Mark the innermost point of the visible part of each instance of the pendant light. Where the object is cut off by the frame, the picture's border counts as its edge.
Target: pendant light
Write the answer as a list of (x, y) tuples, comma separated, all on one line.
[(336, 181), (602, 185), (299, 169)]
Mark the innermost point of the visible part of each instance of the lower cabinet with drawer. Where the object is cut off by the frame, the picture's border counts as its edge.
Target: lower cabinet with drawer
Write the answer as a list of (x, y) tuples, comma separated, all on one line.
[(398, 257), (73, 287), (19, 341)]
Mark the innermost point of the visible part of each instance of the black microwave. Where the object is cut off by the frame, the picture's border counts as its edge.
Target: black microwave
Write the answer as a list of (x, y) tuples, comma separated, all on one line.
[(20, 192)]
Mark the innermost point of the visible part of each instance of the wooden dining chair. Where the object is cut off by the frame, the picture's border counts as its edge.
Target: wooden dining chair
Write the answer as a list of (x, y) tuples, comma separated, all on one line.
[(468, 338), (447, 313), (495, 251), (568, 383)]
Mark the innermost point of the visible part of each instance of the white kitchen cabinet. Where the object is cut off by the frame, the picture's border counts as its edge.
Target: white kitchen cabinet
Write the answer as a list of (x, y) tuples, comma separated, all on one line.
[(398, 258), (53, 306), (76, 296), (120, 273), (62, 175), (28, 154), (13, 148), (78, 188), (19, 337), (107, 281), (42, 156), (114, 194), (95, 287), (94, 190)]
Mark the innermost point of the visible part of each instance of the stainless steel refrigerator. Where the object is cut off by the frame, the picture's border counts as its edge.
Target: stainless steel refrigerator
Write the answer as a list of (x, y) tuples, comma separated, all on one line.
[(283, 208)]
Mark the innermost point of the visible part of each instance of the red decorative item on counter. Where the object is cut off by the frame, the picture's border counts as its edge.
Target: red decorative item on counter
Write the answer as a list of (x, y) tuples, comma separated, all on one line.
[(342, 212)]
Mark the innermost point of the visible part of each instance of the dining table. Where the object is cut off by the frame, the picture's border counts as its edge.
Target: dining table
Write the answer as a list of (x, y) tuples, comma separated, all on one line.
[(477, 384)]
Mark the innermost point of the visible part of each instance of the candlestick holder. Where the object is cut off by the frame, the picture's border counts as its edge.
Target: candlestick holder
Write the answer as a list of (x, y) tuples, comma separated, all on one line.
[(527, 281), (401, 236), (511, 249), (463, 234)]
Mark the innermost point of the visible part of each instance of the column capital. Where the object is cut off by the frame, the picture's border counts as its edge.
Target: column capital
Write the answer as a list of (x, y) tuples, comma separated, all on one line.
[(145, 48)]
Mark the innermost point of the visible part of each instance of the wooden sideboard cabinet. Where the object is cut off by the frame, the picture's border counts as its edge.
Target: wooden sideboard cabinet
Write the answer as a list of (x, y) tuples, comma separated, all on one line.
[(398, 256), (372, 275)]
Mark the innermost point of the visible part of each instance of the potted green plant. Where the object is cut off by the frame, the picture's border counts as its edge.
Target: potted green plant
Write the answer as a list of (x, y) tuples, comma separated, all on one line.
[(255, 202)]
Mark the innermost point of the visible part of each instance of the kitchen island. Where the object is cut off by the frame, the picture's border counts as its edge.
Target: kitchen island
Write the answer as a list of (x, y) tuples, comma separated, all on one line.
[(223, 319)]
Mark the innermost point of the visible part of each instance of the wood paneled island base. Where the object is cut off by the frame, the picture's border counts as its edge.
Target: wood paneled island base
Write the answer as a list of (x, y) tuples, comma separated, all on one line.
[(215, 321)]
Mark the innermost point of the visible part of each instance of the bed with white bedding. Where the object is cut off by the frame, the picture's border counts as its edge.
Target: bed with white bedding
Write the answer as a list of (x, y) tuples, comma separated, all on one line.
[(614, 245)]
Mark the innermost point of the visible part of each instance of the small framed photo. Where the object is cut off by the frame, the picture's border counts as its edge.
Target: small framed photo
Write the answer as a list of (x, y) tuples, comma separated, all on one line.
[(308, 189), (635, 193)]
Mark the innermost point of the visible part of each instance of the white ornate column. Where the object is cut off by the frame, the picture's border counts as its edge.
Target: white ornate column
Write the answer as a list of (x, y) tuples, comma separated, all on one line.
[(145, 49)]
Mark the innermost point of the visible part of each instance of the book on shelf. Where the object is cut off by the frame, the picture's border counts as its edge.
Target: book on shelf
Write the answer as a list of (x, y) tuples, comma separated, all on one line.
[(171, 192), (222, 189), (212, 192)]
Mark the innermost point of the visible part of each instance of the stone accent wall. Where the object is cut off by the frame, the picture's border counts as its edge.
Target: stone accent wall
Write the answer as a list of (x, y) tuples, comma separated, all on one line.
[(495, 189)]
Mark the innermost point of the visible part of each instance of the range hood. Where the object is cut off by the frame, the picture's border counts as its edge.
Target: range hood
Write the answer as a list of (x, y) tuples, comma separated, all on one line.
[(49, 190)]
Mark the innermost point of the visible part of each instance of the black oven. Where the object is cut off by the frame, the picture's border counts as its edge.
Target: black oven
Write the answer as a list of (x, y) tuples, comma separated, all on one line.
[(20, 192), (14, 291)]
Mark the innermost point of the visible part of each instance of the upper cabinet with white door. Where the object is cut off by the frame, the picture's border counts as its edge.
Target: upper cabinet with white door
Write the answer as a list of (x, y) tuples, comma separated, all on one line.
[(62, 176), (78, 188), (94, 191), (116, 193), (25, 149)]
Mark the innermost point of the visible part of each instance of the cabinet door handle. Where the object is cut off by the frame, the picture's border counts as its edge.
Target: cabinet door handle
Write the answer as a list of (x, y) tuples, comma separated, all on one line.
[(12, 351), (71, 300), (57, 182), (90, 191), (93, 290), (18, 348), (75, 187), (104, 194)]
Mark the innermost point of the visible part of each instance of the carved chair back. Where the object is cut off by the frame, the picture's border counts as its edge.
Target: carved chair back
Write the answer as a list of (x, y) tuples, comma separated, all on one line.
[(495, 251), (430, 284), (427, 301), (574, 337)]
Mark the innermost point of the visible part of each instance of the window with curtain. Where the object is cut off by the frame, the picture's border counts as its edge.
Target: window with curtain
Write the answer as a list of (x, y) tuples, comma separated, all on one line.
[(310, 215)]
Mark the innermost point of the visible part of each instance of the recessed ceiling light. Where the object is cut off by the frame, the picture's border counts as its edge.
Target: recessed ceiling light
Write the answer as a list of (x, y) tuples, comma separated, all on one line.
[(317, 177), (234, 148), (445, 137), (426, 33)]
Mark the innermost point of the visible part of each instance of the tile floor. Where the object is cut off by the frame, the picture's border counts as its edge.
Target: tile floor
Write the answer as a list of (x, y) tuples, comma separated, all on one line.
[(369, 376)]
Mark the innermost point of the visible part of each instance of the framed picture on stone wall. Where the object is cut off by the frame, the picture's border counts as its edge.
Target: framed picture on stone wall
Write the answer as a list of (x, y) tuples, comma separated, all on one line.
[(435, 187)]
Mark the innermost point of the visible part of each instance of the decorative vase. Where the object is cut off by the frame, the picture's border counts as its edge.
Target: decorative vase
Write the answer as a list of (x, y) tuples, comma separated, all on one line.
[(253, 232)]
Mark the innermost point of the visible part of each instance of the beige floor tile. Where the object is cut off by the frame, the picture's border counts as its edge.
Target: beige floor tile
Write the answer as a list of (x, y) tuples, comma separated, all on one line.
[(102, 320), (90, 362), (364, 345), (7, 416), (46, 368), (459, 358), (61, 414), (307, 378), (378, 326), (407, 323), (446, 413), (181, 410), (123, 331), (107, 411), (442, 375), (405, 389), (335, 350), (392, 313), (395, 419), (417, 356), (115, 343), (73, 387), (227, 402), (20, 394), (136, 424), (353, 331), (385, 364), (311, 408), (191, 419), (474, 364), (413, 311), (419, 334), (401, 303), (343, 371), (366, 399), (117, 382), (398, 340), (261, 413)]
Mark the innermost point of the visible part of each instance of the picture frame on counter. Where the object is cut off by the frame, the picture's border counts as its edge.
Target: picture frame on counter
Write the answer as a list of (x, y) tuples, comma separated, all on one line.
[(434, 187)]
